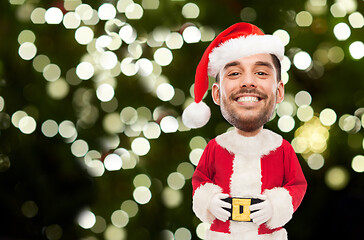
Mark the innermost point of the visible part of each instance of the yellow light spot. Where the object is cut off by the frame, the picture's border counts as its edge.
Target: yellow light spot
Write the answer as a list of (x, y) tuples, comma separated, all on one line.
[(171, 198), (304, 19), (337, 178)]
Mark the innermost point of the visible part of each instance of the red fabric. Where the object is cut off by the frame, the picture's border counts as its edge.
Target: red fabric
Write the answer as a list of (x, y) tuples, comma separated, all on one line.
[(234, 31)]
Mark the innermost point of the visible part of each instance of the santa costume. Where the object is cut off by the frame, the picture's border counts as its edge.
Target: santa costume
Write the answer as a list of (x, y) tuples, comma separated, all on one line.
[(243, 167)]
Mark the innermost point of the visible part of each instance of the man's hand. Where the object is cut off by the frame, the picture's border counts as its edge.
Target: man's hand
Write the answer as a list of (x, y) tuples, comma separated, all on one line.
[(216, 207), (264, 211)]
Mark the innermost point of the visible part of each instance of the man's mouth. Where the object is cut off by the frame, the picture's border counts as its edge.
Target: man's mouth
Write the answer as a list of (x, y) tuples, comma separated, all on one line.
[(248, 99)]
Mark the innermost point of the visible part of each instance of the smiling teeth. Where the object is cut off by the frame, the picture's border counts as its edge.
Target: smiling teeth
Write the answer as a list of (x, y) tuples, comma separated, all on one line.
[(247, 99)]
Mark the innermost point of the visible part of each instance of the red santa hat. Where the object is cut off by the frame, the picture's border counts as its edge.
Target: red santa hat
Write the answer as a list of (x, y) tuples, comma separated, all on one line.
[(237, 41)]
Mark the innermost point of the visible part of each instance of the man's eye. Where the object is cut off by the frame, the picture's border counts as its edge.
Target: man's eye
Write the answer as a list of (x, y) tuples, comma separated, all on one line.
[(234, 74), (261, 73)]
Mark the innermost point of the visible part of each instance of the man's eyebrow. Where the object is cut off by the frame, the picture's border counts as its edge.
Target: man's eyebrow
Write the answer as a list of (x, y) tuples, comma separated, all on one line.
[(231, 64), (267, 64)]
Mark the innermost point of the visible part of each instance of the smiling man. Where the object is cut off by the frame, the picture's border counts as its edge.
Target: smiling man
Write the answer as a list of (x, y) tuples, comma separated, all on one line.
[(248, 182)]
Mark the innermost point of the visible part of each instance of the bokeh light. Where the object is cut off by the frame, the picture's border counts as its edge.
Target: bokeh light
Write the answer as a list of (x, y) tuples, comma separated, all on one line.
[(190, 10), (191, 34), (302, 60), (53, 15), (357, 50), (342, 31), (140, 146), (142, 195), (358, 163), (337, 178), (304, 19), (113, 162), (86, 219), (27, 50)]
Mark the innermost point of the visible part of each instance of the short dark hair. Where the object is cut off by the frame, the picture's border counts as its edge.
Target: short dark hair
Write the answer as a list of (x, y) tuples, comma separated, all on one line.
[(276, 63)]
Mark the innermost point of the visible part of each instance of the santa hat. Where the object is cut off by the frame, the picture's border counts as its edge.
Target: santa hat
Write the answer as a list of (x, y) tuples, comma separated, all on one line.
[(237, 41)]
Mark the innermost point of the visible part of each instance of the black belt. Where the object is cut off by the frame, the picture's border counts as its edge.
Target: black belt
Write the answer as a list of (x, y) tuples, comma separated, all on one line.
[(240, 208)]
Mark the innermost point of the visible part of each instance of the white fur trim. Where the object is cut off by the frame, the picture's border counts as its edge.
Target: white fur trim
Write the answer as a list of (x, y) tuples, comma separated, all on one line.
[(200, 199), (242, 47), (262, 143), (196, 115), (277, 235), (282, 207)]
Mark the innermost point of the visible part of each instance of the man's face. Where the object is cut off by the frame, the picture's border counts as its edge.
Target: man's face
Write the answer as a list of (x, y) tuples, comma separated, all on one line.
[(248, 92)]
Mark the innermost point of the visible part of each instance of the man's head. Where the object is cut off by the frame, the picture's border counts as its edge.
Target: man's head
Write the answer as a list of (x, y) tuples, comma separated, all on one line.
[(248, 90), (239, 41)]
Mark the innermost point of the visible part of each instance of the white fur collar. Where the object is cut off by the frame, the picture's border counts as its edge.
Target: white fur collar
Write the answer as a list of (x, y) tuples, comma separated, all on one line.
[(263, 143)]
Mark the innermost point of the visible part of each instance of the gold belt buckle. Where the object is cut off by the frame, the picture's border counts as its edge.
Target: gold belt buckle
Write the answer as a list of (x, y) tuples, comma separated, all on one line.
[(240, 209)]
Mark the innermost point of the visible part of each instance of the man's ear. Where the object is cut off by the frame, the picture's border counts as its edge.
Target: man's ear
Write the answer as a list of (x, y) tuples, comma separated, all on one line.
[(280, 92), (215, 92)]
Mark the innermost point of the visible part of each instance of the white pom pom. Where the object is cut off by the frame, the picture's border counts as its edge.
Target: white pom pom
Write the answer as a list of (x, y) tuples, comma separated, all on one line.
[(196, 115)]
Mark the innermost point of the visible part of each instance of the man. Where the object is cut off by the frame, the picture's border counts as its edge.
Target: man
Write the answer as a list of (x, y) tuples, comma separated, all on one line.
[(248, 181)]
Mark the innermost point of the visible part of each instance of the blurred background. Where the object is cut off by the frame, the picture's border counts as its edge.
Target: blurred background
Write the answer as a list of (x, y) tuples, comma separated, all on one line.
[(91, 140)]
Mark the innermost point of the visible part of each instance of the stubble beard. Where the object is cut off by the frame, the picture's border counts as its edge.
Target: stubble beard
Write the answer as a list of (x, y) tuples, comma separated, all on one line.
[(247, 123)]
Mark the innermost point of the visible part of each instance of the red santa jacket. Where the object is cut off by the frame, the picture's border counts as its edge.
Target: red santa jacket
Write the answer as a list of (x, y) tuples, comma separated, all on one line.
[(246, 167)]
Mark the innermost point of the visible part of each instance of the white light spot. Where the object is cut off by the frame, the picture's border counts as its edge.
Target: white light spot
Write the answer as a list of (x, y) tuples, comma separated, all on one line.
[(108, 60), (71, 20), (286, 123), (85, 70), (106, 11), (140, 146), (113, 162), (128, 67), (67, 129), (328, 117), (145, 66), (142, 195), (84, 11), (127, 34), (79, 148), (53, 15), (119, 218), (303, 98), (282, 35), (358, 163), (174, 41), (202, 229), (163, 56), (305, 113), (302, 60), (134, 11), (342, 31), (357, 50), (27, 125), (152, 130), (315, 161), (86, 219), (27, 50), (356, 20), (195, 155), (176, 180), (95, 168), (84, 35), (169, 124), (52, 72), (165, 92), (49, 128), (191, 34), (190, 10)]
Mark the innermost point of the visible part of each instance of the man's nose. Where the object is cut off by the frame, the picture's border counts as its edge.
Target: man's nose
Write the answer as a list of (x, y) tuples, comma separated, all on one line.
[(248, 81)]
